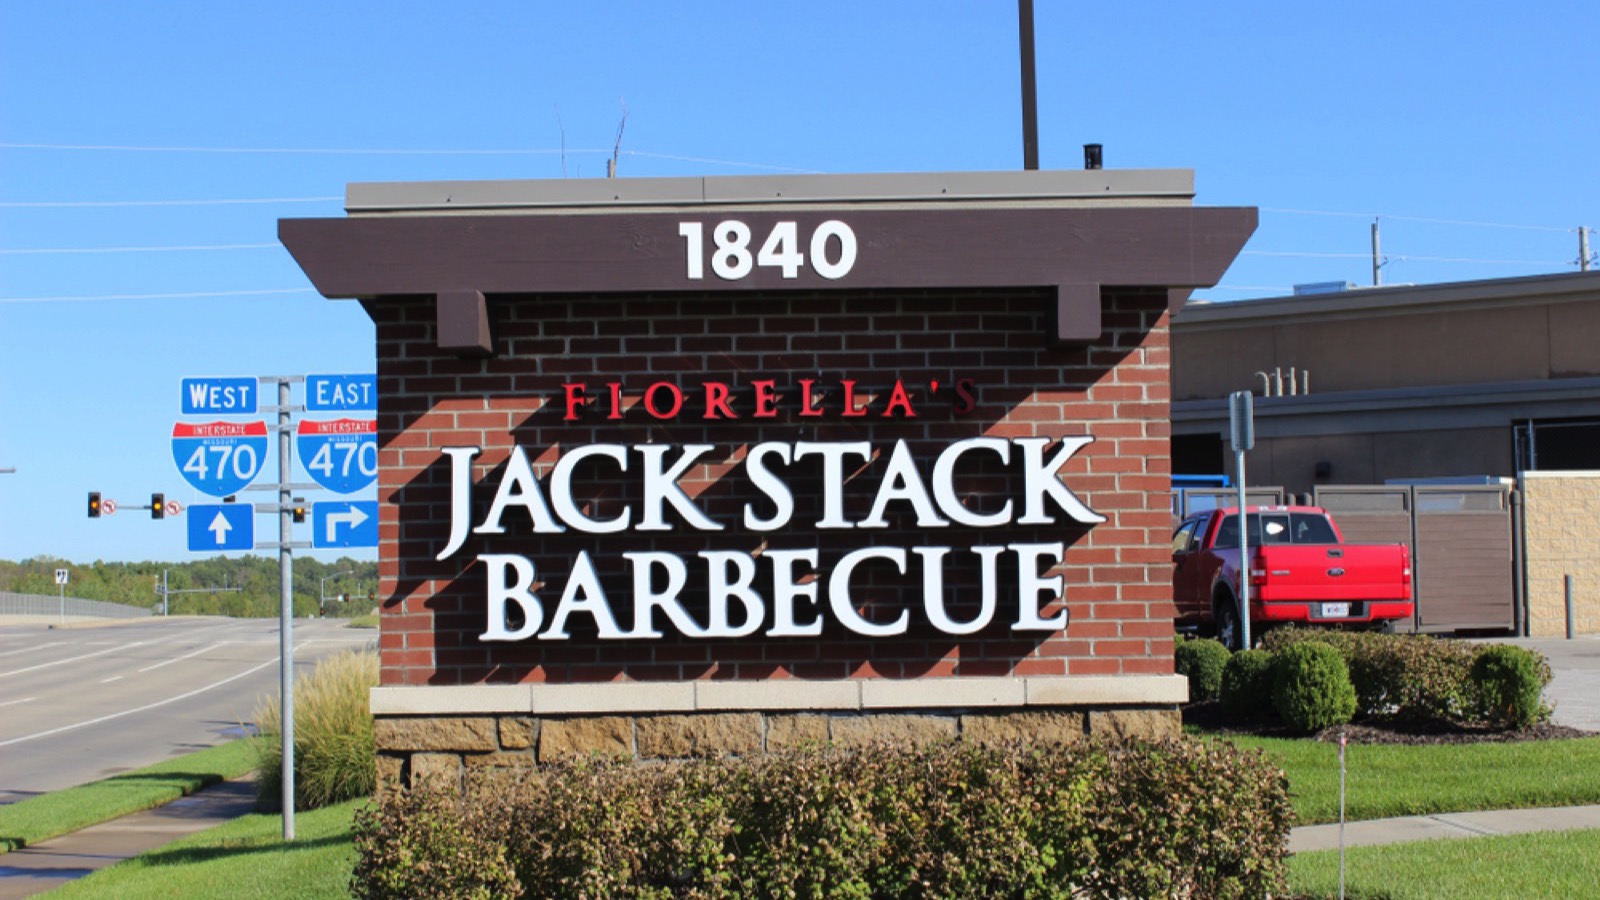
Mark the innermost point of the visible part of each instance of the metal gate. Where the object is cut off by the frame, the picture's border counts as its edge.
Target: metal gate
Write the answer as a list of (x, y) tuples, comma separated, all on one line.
[(1461, 545)]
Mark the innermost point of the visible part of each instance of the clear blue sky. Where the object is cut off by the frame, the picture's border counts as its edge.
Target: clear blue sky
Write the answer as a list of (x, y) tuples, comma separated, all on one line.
[(1470, 127)]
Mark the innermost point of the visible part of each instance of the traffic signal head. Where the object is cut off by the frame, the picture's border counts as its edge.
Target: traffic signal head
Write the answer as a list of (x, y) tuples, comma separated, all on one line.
[(94, 504), (158, 506), (298, 512)]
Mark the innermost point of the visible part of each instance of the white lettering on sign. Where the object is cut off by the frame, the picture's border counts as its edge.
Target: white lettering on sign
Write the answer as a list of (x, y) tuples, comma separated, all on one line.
[(787, 587), (222, 397), (832, 249)]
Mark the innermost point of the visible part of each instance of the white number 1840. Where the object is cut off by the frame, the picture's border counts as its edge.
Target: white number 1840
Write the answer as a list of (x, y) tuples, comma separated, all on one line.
[(732, 260)]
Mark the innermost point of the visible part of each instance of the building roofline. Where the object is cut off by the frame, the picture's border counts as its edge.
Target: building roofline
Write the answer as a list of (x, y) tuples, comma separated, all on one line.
[(1145, 187), (1398, 299)]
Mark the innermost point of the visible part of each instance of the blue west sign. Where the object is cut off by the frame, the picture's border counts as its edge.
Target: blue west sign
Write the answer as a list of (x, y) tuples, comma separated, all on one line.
[(219, 396)]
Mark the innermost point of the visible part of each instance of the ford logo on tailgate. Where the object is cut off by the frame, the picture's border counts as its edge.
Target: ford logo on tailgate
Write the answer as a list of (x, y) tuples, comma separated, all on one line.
[(1335, 573)]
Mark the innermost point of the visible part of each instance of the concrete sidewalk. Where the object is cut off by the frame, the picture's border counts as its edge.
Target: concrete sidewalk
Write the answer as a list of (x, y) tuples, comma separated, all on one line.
[(1445, 825), (52, 863)]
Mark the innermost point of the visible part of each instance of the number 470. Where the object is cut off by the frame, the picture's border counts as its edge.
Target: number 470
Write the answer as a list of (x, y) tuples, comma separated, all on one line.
[(242, 457)]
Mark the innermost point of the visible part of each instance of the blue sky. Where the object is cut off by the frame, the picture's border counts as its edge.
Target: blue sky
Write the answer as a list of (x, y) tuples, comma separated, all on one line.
[(124, 128)]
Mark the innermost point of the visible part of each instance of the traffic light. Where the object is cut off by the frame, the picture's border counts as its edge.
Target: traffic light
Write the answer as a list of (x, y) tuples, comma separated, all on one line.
[(94, 504), (299, 511), (158, 506)]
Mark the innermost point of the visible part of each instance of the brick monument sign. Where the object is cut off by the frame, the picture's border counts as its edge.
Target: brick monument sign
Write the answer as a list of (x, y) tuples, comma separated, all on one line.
[(689, 466)]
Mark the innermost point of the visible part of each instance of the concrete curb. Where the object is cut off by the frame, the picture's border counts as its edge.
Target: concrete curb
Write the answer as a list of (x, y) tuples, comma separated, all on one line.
[(1373, 832)]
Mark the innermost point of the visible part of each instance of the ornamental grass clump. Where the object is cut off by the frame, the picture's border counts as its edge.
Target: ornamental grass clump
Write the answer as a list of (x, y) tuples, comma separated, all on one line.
[(334, 750)]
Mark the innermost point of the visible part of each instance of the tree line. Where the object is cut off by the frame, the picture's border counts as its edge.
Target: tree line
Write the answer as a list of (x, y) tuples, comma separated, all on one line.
[(243, 586)]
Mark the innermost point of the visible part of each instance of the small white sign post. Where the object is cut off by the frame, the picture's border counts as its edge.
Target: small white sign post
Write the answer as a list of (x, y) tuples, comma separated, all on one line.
[(61, 583)]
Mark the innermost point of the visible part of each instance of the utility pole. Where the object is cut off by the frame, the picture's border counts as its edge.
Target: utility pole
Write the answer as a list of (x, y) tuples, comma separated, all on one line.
[(1583, 249), (1030, 100), (1377, 258)]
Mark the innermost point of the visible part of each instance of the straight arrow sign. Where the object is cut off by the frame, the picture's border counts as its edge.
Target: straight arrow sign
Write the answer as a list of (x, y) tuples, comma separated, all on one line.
[(221, 526)]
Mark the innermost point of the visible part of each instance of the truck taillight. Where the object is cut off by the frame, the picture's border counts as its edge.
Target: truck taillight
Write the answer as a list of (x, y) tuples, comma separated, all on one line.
[(1258, 572)]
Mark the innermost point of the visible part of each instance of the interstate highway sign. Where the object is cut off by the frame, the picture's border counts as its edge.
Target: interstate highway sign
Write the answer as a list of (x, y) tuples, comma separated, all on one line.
[(219, 458), (341, 455), (344, 523), (219, 396), (222, 526)]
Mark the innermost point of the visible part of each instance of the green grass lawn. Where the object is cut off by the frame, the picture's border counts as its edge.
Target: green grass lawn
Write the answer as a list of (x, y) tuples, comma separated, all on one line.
[(245, 859), (1386, 780), (1559, 864), (47, 815)]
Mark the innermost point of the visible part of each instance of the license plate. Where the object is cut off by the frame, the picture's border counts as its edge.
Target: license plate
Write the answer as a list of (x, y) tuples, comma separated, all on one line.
[(1335, 610)]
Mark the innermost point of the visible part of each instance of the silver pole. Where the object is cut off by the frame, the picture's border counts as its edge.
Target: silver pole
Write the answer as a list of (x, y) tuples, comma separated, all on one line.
[(285, 612), (1377, 263), (1244, 560), (64, 603), (1583, 248)]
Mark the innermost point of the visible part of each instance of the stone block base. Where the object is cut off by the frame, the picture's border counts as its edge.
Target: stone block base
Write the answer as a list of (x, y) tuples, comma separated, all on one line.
[(444, 749)]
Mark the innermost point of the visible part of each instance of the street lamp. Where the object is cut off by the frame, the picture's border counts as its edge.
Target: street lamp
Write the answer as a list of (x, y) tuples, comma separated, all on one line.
[(322, 590)]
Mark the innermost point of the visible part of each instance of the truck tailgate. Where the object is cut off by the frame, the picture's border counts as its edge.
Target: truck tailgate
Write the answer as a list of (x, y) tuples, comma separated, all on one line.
[(1331, 572)]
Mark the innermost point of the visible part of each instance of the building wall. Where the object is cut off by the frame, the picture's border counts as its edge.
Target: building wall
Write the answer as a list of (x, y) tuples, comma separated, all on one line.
[(1117, 574), (1562, 514)]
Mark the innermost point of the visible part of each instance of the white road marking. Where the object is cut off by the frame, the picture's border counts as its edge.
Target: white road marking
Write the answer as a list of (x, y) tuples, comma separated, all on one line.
[(31, 648), (62, 662), (15, 702), (111, 679), (168, 662), (140, 709)]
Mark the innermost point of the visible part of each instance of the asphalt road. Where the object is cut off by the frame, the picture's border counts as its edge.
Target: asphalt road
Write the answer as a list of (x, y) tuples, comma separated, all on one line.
[(82, 703)]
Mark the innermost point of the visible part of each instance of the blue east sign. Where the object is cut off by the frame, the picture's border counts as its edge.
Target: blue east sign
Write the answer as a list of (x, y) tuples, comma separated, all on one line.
[(341, 393)]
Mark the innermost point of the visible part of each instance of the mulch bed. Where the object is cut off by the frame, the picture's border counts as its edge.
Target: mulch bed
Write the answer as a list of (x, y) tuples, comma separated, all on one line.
[(1210, 718)]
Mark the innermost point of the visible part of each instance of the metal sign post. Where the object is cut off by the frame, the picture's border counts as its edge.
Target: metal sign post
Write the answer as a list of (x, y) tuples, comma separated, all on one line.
[(61, 582), (1242, 435)]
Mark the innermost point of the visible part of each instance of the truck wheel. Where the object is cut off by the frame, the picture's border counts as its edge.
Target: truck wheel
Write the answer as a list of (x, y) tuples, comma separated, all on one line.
[(1229, 630)]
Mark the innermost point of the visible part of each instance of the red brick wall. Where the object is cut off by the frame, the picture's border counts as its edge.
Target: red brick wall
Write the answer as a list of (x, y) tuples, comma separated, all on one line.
[(1117, 574)]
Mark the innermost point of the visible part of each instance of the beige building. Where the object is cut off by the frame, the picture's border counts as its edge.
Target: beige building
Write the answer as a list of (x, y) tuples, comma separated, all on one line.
[(1486, 382)]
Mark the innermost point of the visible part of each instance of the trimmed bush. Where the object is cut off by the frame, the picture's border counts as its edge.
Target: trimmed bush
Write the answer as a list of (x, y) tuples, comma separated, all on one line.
[(1509, 683), (1404, 677), (1311, 687), (956, 820), (1246, 691), (1201, 661), (334, 749)]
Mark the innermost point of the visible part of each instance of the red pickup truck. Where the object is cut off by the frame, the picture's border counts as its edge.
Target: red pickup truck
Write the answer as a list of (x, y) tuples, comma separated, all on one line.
[(1300, 571)]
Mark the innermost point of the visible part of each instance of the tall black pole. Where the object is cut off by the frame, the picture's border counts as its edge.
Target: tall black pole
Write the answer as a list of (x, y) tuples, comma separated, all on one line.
[(1030, 101)]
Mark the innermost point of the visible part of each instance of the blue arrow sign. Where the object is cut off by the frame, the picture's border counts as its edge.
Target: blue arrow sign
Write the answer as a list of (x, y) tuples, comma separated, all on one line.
[(344, 523), (341, 393), (219, 396), (341, 455), (222, 526), (219, 458)]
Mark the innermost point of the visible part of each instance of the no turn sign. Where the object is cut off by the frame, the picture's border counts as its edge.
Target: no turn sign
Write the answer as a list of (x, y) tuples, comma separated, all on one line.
[(108, 507)]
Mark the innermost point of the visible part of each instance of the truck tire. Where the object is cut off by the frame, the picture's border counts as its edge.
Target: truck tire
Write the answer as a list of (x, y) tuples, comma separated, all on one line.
[(1230, 631)]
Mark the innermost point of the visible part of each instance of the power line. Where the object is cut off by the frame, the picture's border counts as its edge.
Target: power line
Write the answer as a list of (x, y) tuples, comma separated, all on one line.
[(161, 296), (180, 249), (75, 204), (1427, 219), (399, 151)]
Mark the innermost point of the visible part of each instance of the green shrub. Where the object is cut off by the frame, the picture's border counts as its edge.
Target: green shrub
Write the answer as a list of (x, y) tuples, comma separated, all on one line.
[(954, 820), (1246, 691), (1406, 677), (1509, 684), (1201, 661), (426, 844), (334, 750), (1311, 687)]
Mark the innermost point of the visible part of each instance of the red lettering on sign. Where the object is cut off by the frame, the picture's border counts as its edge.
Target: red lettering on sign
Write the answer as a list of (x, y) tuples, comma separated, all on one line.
[(616, 399), (967, 403), (575, 400), (899, 398), (850, 408), (766, 399), (808, 400), (650, 399), (717, 401)]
